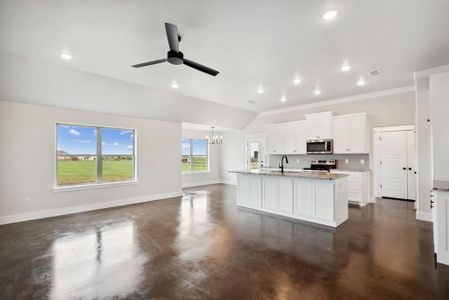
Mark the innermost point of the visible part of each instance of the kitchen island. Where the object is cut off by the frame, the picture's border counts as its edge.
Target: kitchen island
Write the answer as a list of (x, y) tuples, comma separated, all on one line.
[(310, 196)]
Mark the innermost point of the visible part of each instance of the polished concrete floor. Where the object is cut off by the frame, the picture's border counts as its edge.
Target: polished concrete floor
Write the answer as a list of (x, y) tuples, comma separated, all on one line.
[(203, 247)]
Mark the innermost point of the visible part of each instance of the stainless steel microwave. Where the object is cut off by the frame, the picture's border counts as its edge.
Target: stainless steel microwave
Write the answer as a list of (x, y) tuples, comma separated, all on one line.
[(320, 147)]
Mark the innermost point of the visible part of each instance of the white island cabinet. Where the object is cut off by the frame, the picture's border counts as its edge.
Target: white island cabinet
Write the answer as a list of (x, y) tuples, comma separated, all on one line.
[(314, 197)]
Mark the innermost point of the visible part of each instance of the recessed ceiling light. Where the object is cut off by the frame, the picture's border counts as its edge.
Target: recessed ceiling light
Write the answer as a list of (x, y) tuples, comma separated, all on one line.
[(346, 68), (330, 15), (65, 56), (317, 91), (283, 99), (174, 85), (260, 90), (297, 81), (361, 82)]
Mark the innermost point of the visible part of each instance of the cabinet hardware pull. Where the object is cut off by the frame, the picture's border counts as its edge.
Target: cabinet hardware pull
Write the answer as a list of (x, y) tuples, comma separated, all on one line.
[(404, 168)]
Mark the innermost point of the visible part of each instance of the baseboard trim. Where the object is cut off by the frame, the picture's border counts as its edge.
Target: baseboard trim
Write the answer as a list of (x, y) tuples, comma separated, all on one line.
[(201, 183), (42, 214), (424, 216)]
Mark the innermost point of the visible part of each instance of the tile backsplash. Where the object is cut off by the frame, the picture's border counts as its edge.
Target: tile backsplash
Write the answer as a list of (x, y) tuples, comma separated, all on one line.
[(354, 161)]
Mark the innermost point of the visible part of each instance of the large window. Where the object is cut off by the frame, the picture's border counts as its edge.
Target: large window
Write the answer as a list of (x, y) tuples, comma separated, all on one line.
[(194, 155), (92, 154)]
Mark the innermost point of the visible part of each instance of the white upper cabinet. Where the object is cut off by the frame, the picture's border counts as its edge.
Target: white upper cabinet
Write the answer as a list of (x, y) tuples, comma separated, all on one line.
[(351, 134), (295, 138), (275, 138), (319, 126)]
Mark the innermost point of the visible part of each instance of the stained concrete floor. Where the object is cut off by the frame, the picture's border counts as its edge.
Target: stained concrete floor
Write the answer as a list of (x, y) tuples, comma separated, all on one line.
[(202, 246)]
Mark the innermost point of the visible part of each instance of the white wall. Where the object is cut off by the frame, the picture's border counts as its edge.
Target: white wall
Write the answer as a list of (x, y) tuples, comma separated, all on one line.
[(27, 160), (439, 95), (423, 149), (233, 154), (202, 178), (34, 82), (389, 110)]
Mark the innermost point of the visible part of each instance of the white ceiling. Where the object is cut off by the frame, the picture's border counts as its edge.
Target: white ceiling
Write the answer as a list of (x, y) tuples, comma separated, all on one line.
[(250, 42)]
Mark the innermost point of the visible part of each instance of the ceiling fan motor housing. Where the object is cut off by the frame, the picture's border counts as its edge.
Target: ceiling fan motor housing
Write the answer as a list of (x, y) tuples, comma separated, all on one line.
[(175, 58)]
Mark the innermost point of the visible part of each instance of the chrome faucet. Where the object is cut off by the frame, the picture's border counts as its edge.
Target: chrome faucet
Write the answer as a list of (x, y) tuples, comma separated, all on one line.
[(281, 165)]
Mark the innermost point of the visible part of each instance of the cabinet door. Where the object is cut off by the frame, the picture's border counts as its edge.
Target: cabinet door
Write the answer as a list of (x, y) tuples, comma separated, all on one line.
[(256, 191), (285, 196), (243, 189), (319, 126), (304, 195), (295, 139), (341, 143), (357, 134), (324, 201), (275, 137), (270, 193)]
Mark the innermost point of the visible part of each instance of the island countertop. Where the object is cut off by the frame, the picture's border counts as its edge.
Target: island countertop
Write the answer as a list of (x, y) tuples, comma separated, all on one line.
[(302, 174)]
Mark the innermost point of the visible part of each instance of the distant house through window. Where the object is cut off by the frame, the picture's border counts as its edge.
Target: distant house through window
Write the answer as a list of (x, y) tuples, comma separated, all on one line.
[(194, 155), (93, 154)]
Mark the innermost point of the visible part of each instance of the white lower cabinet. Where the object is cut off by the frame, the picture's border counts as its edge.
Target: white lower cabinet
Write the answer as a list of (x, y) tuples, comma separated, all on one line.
[(304, 198), (249, 193), (442, 226), (314, 200), (358, 186), (277, 194)]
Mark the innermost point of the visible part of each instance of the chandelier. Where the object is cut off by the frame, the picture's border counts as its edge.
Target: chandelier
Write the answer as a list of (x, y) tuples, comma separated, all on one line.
[(215, 139)]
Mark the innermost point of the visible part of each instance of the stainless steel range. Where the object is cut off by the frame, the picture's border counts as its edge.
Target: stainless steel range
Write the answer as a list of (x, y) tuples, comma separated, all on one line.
[(322, 165)]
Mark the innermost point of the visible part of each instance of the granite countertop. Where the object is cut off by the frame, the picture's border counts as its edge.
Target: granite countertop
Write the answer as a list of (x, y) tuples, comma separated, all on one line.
[(307, 174), (441, 185)]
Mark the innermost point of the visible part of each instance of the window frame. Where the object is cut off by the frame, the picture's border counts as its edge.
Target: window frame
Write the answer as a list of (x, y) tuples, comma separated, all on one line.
[(99, 159), (191, 156)]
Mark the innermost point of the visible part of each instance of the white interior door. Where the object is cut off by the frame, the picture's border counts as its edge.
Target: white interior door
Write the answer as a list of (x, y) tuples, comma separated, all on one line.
[(394, 164), (411, 165)]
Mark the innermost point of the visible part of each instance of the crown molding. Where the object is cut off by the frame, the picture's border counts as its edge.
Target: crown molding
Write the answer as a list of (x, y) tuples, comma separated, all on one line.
[(354, 98), (431, 71)]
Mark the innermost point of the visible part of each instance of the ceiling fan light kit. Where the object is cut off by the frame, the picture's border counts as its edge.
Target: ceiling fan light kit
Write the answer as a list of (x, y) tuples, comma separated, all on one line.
[(174, 56)]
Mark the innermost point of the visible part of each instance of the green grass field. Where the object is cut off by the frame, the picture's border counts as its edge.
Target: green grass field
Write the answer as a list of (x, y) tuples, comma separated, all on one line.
[(85, 171), (199, 164)]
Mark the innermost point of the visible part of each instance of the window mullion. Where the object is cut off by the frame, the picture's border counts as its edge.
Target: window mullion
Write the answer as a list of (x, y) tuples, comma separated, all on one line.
[(99, 156), (191, 155)]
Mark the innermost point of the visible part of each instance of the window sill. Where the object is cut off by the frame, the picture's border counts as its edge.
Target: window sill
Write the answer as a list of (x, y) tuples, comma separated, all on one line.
[(92, 186), (195, 173)]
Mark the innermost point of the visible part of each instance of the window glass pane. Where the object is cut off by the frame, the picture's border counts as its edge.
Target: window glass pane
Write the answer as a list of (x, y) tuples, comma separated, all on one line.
[(199, 163), (76, 140), (117, 168), (77, 170), (117, 149), (185, 147), (117, 141), (76, 154), (199, 147), (186, 163)]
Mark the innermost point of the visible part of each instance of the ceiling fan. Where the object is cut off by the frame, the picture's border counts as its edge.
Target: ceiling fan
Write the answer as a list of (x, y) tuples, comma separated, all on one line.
[(174, 56)]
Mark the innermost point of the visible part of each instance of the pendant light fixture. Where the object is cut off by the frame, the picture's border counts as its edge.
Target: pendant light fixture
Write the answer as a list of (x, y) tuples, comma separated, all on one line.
[(215, 139)]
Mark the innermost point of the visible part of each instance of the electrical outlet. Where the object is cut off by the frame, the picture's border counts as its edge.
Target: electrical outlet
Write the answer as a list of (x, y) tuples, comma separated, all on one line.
[(362, 161), (346, 161)]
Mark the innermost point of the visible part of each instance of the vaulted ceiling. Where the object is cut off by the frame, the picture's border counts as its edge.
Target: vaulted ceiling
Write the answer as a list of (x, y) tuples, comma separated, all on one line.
[(252, 43)]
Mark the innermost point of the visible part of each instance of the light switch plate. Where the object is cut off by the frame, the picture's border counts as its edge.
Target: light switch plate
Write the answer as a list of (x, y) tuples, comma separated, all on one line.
[(346, 161), (362, 161), (297, 160)]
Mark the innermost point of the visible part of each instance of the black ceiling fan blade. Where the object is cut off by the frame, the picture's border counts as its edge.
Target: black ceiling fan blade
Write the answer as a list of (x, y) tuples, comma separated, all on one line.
[(199, 67), (149, 63), (172, 36)]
